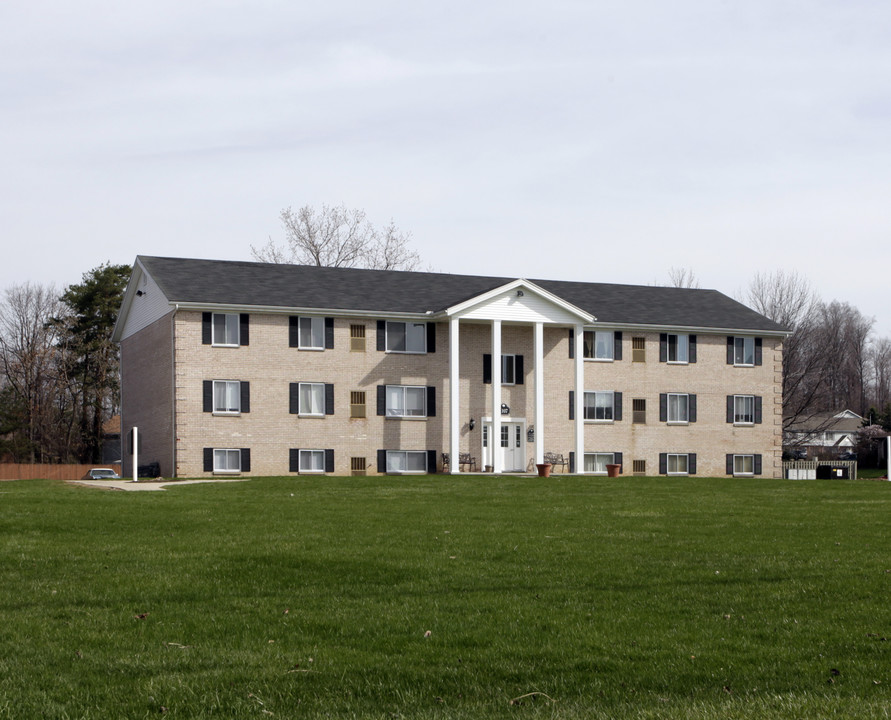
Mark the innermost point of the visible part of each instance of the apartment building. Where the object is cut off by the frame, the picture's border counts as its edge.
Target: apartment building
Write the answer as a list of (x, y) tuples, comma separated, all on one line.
[(263, 369)]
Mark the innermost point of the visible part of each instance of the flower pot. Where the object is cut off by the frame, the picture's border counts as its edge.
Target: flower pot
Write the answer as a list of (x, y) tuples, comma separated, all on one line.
[(544, 469), (489, 468), (613, 470)]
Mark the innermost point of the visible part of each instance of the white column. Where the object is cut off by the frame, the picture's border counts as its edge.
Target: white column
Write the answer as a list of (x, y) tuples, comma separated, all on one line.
[(538, 414), (454, 397), (579, 398), (495, 440)]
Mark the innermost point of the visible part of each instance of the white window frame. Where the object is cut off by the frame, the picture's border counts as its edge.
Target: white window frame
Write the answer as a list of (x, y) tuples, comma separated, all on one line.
[(392, 456), (676, 457), (419, 330), (610, 409), (681, 349), (741, 460), (743, 399), (227, 455), (608, 340), (741, 346), (314, 388), (229, 384), (508, 369), (401, 411), (609, 459), (231, 326), (310, 456), (316, 327), (668, 411)]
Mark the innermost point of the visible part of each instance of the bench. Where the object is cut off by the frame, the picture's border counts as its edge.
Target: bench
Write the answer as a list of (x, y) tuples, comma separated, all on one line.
[(556, 459)]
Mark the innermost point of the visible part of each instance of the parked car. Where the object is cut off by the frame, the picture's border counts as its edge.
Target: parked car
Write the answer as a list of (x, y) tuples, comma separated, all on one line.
[(848, 456), (102, 474)]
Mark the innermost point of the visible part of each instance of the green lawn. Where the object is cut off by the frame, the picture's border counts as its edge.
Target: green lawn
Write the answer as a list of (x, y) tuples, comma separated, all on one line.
[(447, 597)]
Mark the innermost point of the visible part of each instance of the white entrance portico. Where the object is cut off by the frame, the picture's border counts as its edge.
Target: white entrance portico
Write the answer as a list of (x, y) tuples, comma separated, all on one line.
[(518, 303)]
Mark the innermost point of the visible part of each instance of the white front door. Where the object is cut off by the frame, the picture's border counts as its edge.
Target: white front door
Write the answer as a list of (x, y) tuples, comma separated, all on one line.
[(510, 444)]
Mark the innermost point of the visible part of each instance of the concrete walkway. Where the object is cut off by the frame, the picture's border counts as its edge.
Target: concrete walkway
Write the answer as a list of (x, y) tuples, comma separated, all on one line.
[(143, 485)]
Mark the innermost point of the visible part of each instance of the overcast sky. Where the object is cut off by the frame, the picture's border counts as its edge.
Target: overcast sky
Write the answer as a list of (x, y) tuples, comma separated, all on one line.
[(599, 141)]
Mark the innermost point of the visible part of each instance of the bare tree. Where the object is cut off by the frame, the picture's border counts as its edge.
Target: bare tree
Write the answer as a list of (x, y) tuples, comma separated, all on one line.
[(682, 278), (880, 363), (338, 237)]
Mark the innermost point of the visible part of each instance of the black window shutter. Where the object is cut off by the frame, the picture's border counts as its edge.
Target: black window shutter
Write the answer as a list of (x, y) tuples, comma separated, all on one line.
[(431, 461), (208, 396), (758, 351), (730, 350), (691, 353), (691, 408), (617, 458), (572, 462), (487, 369), (329, 461), (329, 333), (617, 406), (294, 460), (617, 345), (208, 459), (382, 461), (663, 407), (381, 335), (691, 463), (245, 388), (329, 398), (663, 347), (518, 369), (757, 464), (758, 411), (245, 459), (244, 335), (730, 408), (293, 331), (572, 404), (431, 337), (729, 468), (431, 401), (663, 463), (571, 343), (206, 328), (381, 399), (294, 398)]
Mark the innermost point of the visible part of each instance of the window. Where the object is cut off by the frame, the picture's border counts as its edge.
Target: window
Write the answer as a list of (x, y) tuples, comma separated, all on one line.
[(743, 409), (598, 406), (357, 404), (508, 369), (406, 337), (639, 411), (596, 462), (312, 399), (744, 351), (406, 461), (357, 338), (638, 349), (311, 333), (226, 460), (225, 329), (678, 464), (598, 345), (678, 348), (226, 397), (743, 464), (678, 408), (312, 461), (406, 401)]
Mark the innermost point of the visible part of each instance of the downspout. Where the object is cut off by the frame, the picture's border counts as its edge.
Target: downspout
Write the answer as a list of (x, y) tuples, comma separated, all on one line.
[(173, 387)]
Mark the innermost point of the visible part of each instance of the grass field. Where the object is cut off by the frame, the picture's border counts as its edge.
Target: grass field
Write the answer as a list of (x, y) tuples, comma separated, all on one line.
[(447, 597)]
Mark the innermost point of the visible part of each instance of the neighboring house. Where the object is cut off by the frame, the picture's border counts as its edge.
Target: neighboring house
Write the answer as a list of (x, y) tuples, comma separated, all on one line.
[(824, 434), (262, 369)]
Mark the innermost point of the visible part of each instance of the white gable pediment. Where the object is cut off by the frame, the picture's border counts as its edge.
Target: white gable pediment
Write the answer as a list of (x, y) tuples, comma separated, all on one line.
[(520, 301)]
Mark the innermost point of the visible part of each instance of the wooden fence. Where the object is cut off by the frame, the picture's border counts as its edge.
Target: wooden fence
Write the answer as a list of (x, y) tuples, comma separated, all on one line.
[(45, 471)]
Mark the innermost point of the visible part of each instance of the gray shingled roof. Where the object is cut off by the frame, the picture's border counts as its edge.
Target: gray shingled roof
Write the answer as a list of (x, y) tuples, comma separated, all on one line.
[(214, 282)]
